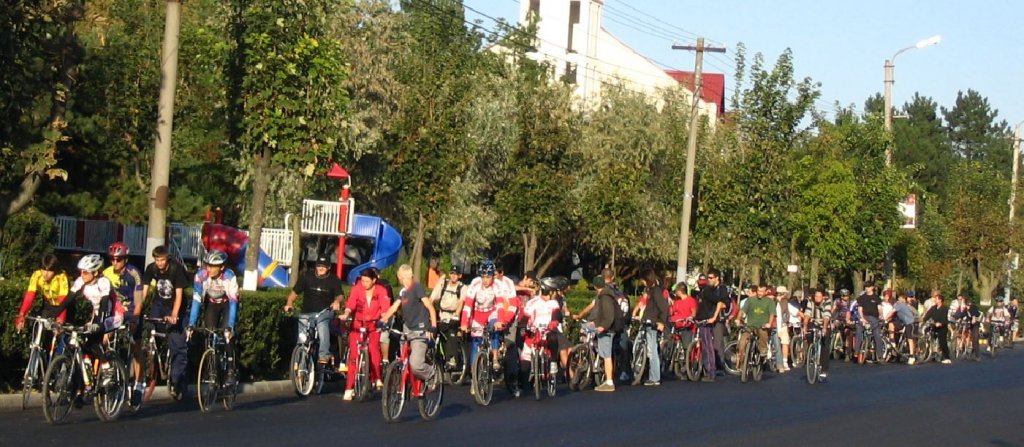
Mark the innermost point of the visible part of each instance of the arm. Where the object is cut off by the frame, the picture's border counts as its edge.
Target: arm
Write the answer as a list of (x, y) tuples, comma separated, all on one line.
[(391, 311), (586, 310), (231, 287), (718, 311), (433, 315), (139, 304), (26, 302)]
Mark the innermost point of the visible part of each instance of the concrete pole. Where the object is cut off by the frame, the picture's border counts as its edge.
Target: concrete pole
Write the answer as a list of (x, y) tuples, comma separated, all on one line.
[(1013, 206), (691, 155), (888, 109), (158, 191)]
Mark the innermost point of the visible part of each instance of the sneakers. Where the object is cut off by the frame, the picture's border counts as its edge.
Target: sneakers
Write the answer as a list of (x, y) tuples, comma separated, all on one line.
[(348, 395), (707, 378), (946, 361), (911, 361), (605, 387), (496, 365), (823, 377), (378, 384), (137, 393), (651, 383)]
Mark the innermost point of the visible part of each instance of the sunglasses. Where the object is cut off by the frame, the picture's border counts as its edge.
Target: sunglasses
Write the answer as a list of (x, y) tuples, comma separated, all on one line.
[(118, 259)]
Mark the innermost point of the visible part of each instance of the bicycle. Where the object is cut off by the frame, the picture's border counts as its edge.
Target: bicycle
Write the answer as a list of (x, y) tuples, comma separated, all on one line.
[(674, 352), (400, 383), (483, 374), (307, 373), (218, 376), (997, 337), (797, 346), (363, 384), (928, 345), (155, 360), (695, 355), (964, 341), (542, 370), (455, 364), (753, 360), (69, 381), (38, 358), (585, 366), (813, 355), (640, 359)]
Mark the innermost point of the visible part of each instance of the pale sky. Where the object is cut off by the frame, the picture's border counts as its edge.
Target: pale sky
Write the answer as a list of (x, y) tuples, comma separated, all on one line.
[(842, 45)]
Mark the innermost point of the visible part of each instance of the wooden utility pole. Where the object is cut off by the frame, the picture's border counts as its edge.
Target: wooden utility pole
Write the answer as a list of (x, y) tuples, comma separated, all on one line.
[(691, 153)]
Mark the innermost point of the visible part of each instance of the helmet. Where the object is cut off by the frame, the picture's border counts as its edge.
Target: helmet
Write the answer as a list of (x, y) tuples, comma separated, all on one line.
[(323, 260), (561, 282), (90, 263), (486, 268), (549, 284), (999, 299), (215, 257), (844, 292), (118, 250)]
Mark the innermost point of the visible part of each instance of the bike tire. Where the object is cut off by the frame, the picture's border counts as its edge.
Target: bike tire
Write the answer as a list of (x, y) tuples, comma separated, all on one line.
[(34, 372), (813, 366), (483, 379), (640, 360), (745, 365), (430, 405), (694, 361), (579, 367), (460, 373), (207, 383), (301, 372), (392, 395), (551, 380), (110, 397), (537, 370), (59, 389), (229, 391), (798, 350), (165, 373), (758, 372), (732, 358), (362, 385)]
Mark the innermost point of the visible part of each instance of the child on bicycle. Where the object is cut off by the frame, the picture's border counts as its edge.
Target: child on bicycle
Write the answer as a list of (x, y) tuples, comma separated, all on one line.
[(51, 281)]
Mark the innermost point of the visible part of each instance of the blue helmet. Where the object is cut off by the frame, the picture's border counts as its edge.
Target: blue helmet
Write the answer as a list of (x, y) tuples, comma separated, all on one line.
[(486, 268)]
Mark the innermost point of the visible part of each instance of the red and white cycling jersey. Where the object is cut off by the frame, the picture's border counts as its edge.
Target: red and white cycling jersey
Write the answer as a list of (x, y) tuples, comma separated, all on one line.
[(488, 304), (540, 313), (100, 295)]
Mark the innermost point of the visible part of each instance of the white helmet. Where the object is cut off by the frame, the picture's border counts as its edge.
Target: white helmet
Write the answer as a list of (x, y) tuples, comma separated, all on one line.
[(90, 263), (215, 257)]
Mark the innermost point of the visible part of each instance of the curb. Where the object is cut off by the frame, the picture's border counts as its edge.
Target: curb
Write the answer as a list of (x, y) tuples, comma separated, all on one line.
[(10, 402)]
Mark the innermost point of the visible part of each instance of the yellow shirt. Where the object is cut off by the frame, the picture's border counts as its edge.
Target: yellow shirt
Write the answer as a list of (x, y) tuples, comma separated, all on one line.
[(52, 290)]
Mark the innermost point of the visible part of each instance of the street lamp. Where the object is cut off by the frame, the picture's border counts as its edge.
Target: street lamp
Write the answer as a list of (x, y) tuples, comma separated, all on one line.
[(888, 88)]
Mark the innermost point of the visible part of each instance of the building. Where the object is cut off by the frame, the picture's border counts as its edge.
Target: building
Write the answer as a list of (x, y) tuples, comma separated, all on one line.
[(570, 35)]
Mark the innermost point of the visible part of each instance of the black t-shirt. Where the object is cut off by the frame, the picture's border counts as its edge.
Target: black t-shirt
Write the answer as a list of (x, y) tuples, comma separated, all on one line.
[(165, 282), (707, 300), (317, 293), (869, 304), (414, 312)]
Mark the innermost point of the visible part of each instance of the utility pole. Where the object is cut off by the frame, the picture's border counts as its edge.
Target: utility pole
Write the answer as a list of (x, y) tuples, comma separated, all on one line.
[(159, 189), (691, 154), (1013, 207)]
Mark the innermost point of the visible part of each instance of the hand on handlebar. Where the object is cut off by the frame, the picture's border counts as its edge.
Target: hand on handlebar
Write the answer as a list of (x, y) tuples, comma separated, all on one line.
[(288, 308)]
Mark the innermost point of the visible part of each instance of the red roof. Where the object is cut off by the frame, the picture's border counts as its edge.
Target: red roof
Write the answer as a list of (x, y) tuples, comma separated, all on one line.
[(714, 86)]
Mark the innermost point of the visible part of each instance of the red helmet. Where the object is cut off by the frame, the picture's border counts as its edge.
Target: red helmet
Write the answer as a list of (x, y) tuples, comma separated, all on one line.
[(118, 250)]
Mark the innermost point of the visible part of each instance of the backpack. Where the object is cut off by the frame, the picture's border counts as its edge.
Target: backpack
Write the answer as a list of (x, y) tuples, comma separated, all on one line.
[(619, 322)]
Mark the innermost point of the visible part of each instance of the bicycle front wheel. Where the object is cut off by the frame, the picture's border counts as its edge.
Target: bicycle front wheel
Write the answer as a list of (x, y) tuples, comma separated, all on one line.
[(460, 371), (208, 382), (59, 389), (392, 395), (694, 361), (579, 367), (302, 370), (111, 391), (362, 386), (433, 394), (537, 370), (813, 362), (483, 379), (732, 358), (745, 363), (33, 376)]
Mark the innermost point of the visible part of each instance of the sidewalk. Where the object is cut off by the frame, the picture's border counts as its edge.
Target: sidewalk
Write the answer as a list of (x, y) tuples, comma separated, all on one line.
[(10, 402)]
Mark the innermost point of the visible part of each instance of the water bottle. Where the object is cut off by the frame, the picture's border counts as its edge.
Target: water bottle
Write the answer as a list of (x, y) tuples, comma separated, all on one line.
[(87, 372)]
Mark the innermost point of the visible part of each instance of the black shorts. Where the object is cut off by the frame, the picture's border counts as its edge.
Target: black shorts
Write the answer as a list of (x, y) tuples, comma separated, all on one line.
[(215, 316)]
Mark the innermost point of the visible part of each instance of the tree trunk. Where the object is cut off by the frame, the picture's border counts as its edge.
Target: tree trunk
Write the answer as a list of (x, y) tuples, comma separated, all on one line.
[(858, 282), (755, 271), (529, 250), (260, 186), (814, 270), (548, 261), (296, 226), (706, 264), (417, 245)]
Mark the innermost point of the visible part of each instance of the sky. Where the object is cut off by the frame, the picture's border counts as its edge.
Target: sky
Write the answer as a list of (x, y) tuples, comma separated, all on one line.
[(841, 44)]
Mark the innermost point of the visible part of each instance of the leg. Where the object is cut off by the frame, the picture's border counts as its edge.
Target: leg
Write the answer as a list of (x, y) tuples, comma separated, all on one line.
[(353, 358), (418, 356), (876, 329), (654, 374), (943, 335), (824, 355), (707, 346), (375, 356), (179, 354), (719, 343), (323, 332)]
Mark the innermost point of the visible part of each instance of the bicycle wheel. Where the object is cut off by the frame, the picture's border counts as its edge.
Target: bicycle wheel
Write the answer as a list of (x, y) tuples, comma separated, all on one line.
[(640, 359), (59, 389), (33, 376), (551, 380), (745, 364), (537, 371), (579, 367), (694, 361), (229, 391), (111, 390), (813, 365), (460, 371), (392, 395), (362, 386), (430, 404), (302, 372), (679, 361), (207, 383), (798, 349), (732, 358), (758, 367), (164, 358), (483, 379)]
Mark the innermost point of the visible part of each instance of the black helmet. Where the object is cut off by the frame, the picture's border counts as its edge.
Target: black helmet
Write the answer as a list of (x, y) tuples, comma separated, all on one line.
[(561, 282), (323, 260), (549, 284)]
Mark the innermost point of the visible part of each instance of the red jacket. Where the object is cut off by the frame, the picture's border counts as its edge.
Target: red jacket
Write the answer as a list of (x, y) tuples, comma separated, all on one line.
[(367, 311), (682, 309)]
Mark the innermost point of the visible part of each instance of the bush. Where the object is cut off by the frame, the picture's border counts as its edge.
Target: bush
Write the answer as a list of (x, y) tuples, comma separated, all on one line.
[(24, 240)]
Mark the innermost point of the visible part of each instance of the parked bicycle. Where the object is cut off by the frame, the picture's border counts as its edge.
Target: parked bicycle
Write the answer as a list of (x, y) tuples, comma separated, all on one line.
[(70, 381), (38, 357), (400, 384), (543, 367), (585, 366), (640, 360), (306, 372), (218, 374), (695, 355), (155, 359)]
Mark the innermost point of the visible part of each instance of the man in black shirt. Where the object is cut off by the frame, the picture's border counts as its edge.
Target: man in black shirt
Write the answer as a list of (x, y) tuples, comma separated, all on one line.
[(711, 306), (868, 307), (319, 290), (939, 316), (169, 280)]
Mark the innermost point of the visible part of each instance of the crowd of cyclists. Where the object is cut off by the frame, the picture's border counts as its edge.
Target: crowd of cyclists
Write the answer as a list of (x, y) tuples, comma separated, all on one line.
[(494, 330)]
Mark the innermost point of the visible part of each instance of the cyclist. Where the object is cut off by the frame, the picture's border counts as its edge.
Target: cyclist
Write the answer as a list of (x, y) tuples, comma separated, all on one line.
[(52, 282), (939, 318), (543, 312), (367, 302), (759, 313), (656, 311), (107, 314), (168, 279), (1012, 309), (969, 315), (480, 309), (998, 319), (608, 279), (818, 311), (710, 306), (449, 295), (905, 320), (420, 321), (868, 306), (319, 290), (683, 311), (787, 317), (608, 324), (127, 283), (215, 289)]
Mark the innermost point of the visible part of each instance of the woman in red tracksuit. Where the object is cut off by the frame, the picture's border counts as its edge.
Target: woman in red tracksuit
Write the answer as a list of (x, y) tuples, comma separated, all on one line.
[(367, 301)]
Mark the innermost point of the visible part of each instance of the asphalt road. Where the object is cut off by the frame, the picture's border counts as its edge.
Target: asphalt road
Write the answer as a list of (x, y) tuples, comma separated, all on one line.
[(963, 404)]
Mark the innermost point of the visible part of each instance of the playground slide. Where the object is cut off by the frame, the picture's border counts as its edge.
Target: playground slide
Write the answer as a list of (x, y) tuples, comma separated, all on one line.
[(234, 242), (386, 247)]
